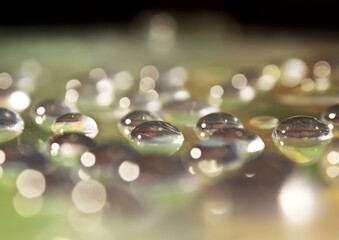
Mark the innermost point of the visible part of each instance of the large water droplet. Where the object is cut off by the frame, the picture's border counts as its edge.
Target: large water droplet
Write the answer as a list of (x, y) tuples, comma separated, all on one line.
[(302, 138), (331, 117), (211, 122), (264, 122), (156, 137), (187, 112), (133, 119), (47, 111), (11, 125), (77, 123), (66, 149)]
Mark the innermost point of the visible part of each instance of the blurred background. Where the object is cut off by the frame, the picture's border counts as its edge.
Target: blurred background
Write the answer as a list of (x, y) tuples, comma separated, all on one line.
[(249, 58)]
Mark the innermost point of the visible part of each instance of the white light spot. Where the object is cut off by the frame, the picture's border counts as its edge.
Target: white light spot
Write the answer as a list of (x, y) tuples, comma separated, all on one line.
[(129, 171), (87, 159), (247, 94), (73, 84), (27, 207), (195, 153), (332, 171), (71, 96), (40, 110), (2, 157), (124, 102), (149, 71), (31, 183), (5, 80), (128, 121), (333, 157), (89, 196), (239, 81), (147, 84), (332, 115), (216, 91), (19, 100), (203, 125)]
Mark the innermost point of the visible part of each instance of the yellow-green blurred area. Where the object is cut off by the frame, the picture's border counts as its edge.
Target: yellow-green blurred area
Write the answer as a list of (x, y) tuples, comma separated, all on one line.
[(271, 197)]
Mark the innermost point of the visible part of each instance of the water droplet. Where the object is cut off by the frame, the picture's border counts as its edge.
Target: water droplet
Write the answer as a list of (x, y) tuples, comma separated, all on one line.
[(77, 123), (66, 149), (248, 143), (11, 125), (264, 122), (210, 159), (211, 122), (331, 117), (31, 183), (302, 138), (107, 159), (187, 112), (156, 137), (133, 119), (23, 156), (47, 111)]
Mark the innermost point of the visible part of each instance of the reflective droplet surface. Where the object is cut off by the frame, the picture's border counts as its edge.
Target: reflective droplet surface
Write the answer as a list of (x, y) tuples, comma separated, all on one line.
[(302, 138), (47, 111), (248, 143), (156, 137), (187, 112), (331, 117), (66, 149), (264, 122), (133, 119), (211, 122), (75, 123), (11, 125)]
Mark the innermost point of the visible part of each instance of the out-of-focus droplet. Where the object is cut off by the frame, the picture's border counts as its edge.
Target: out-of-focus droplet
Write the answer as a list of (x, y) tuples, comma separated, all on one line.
[(47, 111), (331, 117), (156, 137), (75, 123), (302, 138), (248, 143), (11, 125), (213, 121), (31, 183), (17, 157), (89, 196), (264, 122), (329, 163), (187, 112), (66, 149), (212, 159), (5, 81), (133, 119), (150, 72), (233, 98)]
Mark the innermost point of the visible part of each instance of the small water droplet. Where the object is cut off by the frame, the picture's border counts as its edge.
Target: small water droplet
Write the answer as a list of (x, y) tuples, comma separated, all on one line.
[(66, 149), (302, 138), (264, 122), (47, 111), (211, 122), (11, 125), (75, 123), (156, 137), (133, 119)]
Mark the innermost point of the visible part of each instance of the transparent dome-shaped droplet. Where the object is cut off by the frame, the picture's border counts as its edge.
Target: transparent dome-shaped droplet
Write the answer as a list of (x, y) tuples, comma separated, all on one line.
[(134, 118), (329, 163), (156, 137), (77, 123), (187, 112), (66, 149), (11, 125), (302, 138), (47, 111), (211, 122), (264, 122), (248, 143), (331, 117), (214, 158)]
